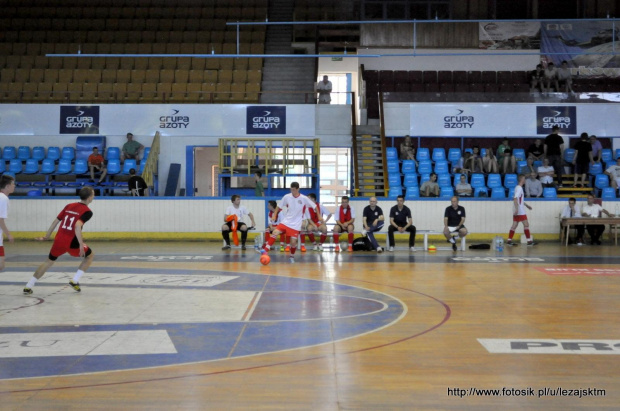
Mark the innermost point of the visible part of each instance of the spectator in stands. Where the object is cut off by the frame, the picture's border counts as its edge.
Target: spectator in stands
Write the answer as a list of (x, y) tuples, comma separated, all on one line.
[(474, 162), (96, 164), (131, 149), (489, 162), (528, 168), (565, 77), (504, 146), (508, 163), (536, 150), (137, 185), (536, 78), (401, 221), (582, 159), (614, 174), (324, 88), (459, 167), (430, 188), (463, 188), (594, 210), (545, 174), (554, 147), (551, 77), (259, 190), (596, 148), (407, 150), (571, 211), (533, 186)]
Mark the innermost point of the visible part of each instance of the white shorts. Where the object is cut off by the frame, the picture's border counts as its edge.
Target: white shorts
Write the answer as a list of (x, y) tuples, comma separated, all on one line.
[(454, 229)]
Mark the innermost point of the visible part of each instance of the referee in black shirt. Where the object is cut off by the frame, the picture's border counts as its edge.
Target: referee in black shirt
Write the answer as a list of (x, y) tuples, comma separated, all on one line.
[(454, 222)]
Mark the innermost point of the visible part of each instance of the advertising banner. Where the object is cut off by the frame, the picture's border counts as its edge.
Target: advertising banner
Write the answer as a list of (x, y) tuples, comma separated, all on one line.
[(509, 35)]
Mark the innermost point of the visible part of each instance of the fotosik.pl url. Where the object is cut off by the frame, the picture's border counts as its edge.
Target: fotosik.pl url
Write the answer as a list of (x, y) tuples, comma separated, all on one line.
[(525, 392)]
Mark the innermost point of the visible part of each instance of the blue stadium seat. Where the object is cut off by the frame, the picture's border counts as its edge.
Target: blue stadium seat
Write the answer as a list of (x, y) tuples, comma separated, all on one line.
[(34, 193), (423, 154), (32, 166), (519, 154), (53, 153), (411, 180), (606, 155), (412, 193), (147, 151), (494, 181), (425, 167), (617, 153), (444, 180), (596, 168), (15, 166), (114, 153), (477, 180), (114, 166), (394, 180), (511, 192), (442, 167), (520, 165), (48, 166), (424, 178), (23, 153), (80, 166), (64, 166), (38, 153), (390, 153), (469, 150), (408, 167), (510, 181), (601, 181), (395, 192), (446, 192), (481, 192), (439, 154), (454, 155), (2, 166), (569, 154), (142, 165), (609, 193), (9, 153), (538, 163), (483, 152), (392, 167), (68, 153), (8, 173), (498, 192), (457, 178), (550, 192)]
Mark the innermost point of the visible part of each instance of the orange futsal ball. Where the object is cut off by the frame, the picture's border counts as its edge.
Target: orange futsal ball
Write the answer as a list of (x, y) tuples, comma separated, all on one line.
[(432, 248), (265, 259)]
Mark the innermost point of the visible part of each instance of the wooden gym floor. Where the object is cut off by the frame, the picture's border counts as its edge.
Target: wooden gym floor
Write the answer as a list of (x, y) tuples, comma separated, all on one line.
[(184, 325)]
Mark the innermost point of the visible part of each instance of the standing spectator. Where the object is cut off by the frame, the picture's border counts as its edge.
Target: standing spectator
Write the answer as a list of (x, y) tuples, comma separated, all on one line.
[(96, 164), (233, 221), (565, 77), (463, 188), (324, 88), (504, 146), (581, 160), (593, 210), (554, 147), (345, 217), (571, 211), (401, 221), (536, 150), (137, 185), (489, 162), (259, 190), (545, 174), (596, 148), (508, 163), (430, 188), (551, 77), (7, 186), (614, 174), (536, 78), (407, 151), (454, 222), (131, 149), (373, 222), (519, 214)]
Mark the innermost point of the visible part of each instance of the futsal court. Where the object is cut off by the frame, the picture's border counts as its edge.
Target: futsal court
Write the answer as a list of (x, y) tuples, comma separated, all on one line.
[(185, 325)]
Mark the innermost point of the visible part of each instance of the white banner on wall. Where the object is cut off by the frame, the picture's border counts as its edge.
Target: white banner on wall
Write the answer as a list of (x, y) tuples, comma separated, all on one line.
[(492, 120), (143, 119)]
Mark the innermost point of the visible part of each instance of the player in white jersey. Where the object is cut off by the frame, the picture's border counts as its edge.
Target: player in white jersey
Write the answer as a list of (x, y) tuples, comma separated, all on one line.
[(294, 203), (519, 214), (233, 221), (7, 186)]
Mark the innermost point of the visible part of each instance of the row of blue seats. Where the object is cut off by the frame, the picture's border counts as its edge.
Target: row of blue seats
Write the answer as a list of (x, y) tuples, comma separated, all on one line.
[(48, 167), (412, 193), (108, 185), (24, 153)]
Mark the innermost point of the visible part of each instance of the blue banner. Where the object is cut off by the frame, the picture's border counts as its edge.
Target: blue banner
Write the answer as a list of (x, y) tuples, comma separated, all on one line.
[(79, 119), (564, 117), (266, 120)]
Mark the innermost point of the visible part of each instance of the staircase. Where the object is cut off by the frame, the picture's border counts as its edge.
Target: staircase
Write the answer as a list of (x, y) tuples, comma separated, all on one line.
[(370, 167), (285, 74)]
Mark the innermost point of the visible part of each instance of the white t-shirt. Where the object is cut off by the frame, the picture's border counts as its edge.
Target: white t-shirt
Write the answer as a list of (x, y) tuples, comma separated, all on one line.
[(322, 210), (593, 210), (294, 207), (519, 195), (4, 211), (352, 211), (614, 171), (545, 179), (239, 212)]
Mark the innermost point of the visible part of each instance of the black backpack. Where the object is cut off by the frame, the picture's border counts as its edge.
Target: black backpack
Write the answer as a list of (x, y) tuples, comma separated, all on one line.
[(362, 244)]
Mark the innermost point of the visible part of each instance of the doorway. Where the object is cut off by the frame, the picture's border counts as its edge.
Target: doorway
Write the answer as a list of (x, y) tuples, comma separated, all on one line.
[(206, 166)]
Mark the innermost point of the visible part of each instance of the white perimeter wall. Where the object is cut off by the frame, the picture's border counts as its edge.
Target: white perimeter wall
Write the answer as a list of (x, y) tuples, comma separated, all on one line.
[(198, 215)]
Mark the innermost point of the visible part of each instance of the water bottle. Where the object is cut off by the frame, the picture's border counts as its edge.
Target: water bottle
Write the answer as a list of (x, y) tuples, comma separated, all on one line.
[(501, 244), (258, 241)]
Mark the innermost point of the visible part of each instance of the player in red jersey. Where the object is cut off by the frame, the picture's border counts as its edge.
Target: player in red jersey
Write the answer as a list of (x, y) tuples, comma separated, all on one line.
[(68, 239), (314, 225)]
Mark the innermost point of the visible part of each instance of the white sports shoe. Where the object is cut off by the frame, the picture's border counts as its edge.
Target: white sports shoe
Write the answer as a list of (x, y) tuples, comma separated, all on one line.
[(379, 250), (320, 248), (412, 249), (364, 232), (391, 249)]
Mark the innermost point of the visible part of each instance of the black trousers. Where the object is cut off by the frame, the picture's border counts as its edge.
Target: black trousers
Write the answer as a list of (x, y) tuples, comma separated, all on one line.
[(411, 230), (595, 231), (555, 161)]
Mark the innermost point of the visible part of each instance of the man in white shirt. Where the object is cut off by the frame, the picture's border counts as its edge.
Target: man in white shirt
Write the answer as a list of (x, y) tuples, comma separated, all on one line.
[(324, 88), (233, 221), (566, 77), (551, 77), (614, 174), (545, 174), (295, 204), (7, 186), (463, 188), (519, 214), (572, 211), (593, 210)]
